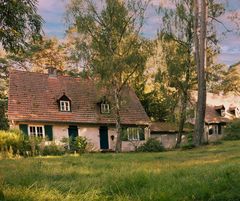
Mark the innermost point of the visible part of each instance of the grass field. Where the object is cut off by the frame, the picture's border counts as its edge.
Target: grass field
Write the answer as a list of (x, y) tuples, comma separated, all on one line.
[(207, 173)]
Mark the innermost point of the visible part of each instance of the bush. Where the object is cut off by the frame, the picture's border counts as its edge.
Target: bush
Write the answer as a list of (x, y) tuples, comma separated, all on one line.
[(14, 142), (151, 145), (78, 144), (3, 118), (10, 142), (189, 145), (232, 131), (53, 150)]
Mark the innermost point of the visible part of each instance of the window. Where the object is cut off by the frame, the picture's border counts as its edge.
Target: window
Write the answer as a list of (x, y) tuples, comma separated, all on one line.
[(215, 129), (65, 106), (105, 108), (237, 112), (222, 112), (36, 131), (133, 134)]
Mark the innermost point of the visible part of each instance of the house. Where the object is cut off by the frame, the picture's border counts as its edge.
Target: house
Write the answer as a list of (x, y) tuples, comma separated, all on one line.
[(220, 110), (166, 133), (57, 106)]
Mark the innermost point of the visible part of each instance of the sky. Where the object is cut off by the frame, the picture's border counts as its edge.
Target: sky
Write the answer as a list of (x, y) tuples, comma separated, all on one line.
[(53, 13)]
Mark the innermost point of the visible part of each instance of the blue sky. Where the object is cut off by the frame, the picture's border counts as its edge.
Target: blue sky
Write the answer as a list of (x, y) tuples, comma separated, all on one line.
[(52, 12)]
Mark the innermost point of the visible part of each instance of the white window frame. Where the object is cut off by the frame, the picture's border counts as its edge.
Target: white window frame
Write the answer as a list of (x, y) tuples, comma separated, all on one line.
[(237, 112), (223, 113), (36, 134), (105, 108), (65, 106), (214, 128), (133, 134)]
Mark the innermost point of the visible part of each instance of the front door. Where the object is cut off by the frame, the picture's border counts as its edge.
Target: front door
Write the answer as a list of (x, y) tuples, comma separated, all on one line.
[(103, 131), (72, 131)]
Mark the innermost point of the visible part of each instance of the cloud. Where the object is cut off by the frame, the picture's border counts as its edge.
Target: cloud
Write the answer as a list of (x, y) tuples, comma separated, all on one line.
[(52, 12)]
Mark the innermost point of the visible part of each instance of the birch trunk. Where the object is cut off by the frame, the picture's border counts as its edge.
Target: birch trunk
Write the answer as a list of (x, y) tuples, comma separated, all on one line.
[(182, 119), (118, 121)]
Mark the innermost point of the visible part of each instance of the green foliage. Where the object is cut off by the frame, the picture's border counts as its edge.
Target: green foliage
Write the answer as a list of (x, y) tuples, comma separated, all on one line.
[(10, 143), (15, 143), (19, 22), (232, 131), (53, 150), (3, 119), (151, 145), (78, 144)]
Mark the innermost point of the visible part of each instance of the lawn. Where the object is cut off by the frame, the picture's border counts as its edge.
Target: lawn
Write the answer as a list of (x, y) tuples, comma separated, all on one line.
[(207, 173)]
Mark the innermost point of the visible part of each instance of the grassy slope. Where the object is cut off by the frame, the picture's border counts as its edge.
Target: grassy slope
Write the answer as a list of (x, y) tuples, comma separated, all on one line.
[(208, 173)]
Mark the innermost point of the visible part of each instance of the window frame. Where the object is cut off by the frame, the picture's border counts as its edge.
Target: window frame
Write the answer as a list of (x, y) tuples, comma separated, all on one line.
[(104, 109), (215, 129), (66, 104), (133, 136), (36, 134)]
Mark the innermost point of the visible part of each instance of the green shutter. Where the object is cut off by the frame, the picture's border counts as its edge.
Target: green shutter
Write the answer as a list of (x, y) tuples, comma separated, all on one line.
[(141, 134), (48, 132), (24, 128), (124, 134)]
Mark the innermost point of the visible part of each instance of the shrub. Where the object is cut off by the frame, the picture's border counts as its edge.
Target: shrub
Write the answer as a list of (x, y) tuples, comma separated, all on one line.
[(3, 118), (10, 141), (189, 145), (232, 131), (151, 145), (53, 150), (78, 144), (14, 142)]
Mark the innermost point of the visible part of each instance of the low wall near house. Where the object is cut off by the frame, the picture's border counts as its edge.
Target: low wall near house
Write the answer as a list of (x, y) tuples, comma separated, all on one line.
[(214, 137), (168, 140)]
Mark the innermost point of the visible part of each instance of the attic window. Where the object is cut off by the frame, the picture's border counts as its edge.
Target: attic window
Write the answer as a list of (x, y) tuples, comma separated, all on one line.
[(65, 106), (222, 112), (234, 111), (105, 108)]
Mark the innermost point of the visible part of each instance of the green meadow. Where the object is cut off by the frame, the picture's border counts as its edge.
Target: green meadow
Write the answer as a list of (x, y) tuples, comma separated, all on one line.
[(207, 173)]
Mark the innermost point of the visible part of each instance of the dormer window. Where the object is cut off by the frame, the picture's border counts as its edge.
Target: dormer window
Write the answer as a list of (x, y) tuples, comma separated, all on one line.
[(65, 106), (105, 108), (234, 111), (220, 110), (222, 113)]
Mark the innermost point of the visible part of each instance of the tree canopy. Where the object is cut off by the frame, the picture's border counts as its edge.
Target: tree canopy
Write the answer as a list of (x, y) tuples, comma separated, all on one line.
[(19, 22)]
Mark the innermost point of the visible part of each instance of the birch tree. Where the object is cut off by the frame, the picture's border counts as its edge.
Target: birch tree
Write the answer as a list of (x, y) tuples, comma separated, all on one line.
[(115, 48)]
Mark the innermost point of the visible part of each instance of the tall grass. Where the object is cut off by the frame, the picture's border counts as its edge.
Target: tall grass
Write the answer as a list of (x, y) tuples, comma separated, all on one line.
[(208, 173)]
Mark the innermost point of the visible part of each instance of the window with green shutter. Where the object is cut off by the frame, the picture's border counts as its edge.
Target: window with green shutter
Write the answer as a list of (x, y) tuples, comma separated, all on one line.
[(48, 132), (132, 134), (124, 134)]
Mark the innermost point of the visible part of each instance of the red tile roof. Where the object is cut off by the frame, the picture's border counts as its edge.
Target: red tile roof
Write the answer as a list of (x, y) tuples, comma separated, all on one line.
[(215, 102), (33, 97), (167, 127)]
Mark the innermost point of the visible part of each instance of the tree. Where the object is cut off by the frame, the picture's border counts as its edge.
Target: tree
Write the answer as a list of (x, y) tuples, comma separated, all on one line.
[(177, 36), (115, 49), (19, 22), (200, 40), (39, 55)]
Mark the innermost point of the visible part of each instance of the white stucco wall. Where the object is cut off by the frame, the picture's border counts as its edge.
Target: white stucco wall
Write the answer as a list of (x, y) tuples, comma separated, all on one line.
[(60, 131), (92, 135)]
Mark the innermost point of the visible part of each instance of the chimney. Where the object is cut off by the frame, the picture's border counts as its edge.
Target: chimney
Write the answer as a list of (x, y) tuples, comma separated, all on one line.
[(52, 71)]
